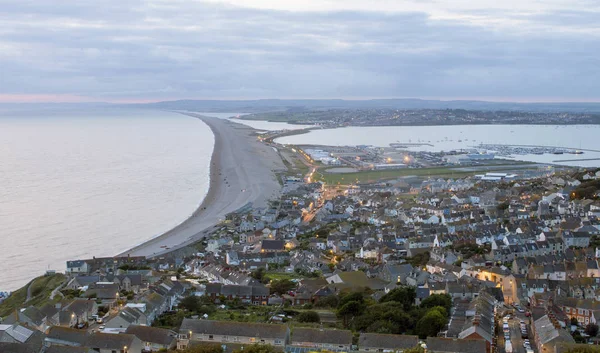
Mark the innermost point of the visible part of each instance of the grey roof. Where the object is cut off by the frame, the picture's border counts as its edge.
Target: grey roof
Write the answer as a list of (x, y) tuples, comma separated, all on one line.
[(236, 290), (80, 306), (71, 335), (34, 314), (337, 337), (384, 341), (76, 263), (422, 293), (19, 333), (152, 334), (6, 347), (67, 349), (229, 328), (109, 341), (273, 245), (130, 315), (452, 345)]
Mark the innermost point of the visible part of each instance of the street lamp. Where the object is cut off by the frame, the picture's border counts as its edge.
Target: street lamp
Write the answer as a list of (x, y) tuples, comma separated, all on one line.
[(125, 349)]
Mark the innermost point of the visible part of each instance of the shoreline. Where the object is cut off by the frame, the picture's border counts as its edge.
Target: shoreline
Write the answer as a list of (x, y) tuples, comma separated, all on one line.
[(242, 171)]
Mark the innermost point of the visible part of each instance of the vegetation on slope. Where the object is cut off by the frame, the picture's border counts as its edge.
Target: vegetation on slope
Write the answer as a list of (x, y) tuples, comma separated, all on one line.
[(41, 288)]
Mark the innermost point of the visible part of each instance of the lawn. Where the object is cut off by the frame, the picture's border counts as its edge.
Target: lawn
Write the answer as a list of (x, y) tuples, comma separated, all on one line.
[(281, 275), (41, 288)]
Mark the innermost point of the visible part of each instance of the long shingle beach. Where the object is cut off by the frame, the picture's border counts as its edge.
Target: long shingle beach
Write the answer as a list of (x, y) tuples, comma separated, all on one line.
[(242, 170)]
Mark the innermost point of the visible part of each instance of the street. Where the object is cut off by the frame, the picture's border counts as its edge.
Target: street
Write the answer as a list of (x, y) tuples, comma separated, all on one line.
[(515, 333)]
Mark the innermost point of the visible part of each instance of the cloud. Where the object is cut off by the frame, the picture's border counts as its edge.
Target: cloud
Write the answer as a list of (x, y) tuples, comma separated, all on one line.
[(173, 49)]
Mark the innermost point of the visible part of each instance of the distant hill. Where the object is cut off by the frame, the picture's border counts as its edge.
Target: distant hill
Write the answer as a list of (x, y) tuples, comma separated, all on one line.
[(270, 105), (264, 105)]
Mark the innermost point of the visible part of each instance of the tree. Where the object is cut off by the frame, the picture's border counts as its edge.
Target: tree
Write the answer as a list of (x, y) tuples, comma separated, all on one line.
[(331, 301), (381, 326), (349, 310), (403, 295), (309, 316), (574, 321), (282, 286), (591, 330), (443, 300), (258, 274), (430, 324), (578, 337), (190, 303), (351, 297)]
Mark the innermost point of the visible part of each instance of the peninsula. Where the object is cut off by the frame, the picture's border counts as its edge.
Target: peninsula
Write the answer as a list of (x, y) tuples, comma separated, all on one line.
[(242, 172)]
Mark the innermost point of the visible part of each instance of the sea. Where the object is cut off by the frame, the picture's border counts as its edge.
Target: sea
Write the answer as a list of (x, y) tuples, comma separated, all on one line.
[(77, 183), (468, 138)]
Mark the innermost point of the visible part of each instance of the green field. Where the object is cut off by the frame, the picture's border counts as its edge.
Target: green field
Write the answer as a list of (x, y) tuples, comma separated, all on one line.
[(41, 288), (375, 175), (281, 275)]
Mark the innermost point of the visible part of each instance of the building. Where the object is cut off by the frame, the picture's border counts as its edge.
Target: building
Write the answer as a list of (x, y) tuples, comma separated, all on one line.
[(153, 338), (318, 339), (453, 345), (547, 334), (257, 295), (193, 331), (579, 309), (377, 342)]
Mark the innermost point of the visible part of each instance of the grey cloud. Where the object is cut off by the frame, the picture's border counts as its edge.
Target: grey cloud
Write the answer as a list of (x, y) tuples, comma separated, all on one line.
[(171, 50)]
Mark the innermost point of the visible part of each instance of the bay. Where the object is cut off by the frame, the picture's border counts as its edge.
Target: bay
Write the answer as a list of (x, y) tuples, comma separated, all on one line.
[(83, 183), (456, 137)]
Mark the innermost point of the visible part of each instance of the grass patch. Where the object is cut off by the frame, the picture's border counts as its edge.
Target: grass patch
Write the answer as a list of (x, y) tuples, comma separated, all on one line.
[(41, 288), (277, 276), (249, 314)]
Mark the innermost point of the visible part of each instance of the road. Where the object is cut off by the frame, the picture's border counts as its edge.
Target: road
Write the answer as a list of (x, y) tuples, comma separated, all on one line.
[(515, 334)]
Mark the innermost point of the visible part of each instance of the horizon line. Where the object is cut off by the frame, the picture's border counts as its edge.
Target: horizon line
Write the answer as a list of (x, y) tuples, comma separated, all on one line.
[(74, 99)]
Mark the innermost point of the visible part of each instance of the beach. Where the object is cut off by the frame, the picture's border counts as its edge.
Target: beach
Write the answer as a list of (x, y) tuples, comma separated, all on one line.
[(242, 171)]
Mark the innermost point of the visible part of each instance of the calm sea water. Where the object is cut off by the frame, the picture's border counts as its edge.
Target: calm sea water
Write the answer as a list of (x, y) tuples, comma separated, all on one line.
[(446, 138), (77, 184)]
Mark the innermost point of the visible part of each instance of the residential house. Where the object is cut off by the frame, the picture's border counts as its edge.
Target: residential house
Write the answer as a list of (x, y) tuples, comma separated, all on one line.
[(232, 332), (453, 345), (20, 337), (547, 334), (127, 317), (257, 295), (153, 338), (321, 339), (580, 309), (377, 342), (77, 266)]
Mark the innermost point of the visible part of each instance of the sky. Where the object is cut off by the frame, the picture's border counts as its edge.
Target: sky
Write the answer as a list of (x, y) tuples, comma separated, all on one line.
[(142, 51)]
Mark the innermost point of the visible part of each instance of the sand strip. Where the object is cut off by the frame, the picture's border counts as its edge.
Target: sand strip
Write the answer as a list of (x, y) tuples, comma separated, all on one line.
[(242, 170)]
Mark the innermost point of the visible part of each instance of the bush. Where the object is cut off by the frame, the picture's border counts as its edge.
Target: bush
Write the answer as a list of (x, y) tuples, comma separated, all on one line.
[(309, 316)]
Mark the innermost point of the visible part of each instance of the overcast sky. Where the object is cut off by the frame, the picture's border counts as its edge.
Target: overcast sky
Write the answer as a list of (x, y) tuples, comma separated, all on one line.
[(134, 50)]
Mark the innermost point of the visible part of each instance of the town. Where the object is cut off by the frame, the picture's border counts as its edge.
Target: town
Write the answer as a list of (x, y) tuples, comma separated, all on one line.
[(413, 117), (470, 264)]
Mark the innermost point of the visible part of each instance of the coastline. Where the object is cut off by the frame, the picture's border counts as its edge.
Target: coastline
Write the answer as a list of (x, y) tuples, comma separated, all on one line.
[(242, 171)]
